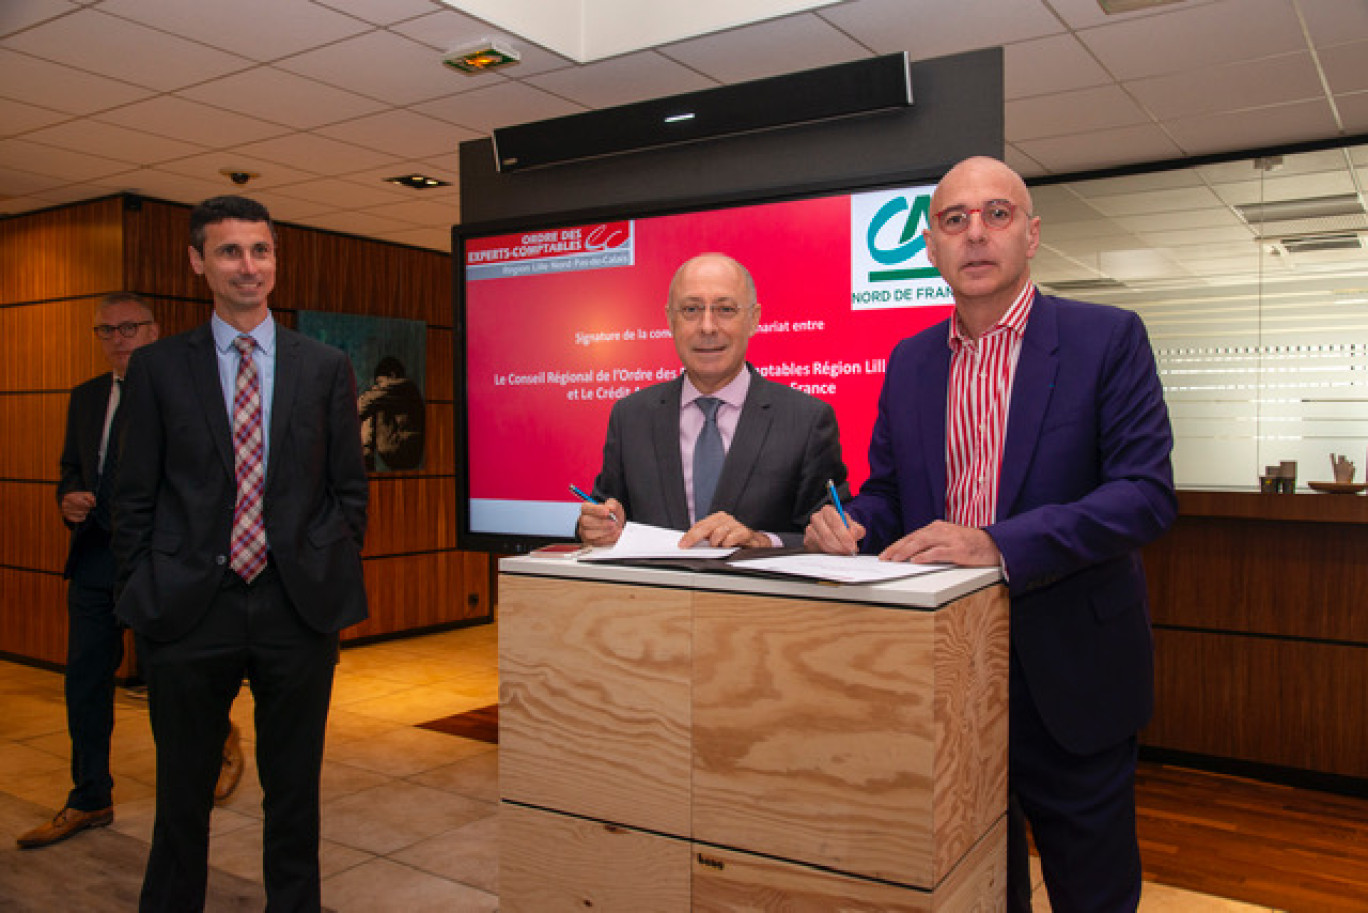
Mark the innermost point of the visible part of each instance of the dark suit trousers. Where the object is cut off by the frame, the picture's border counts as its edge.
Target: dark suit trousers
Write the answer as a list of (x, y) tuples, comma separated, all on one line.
[(1081, 810), (94, 651), (250, 631)]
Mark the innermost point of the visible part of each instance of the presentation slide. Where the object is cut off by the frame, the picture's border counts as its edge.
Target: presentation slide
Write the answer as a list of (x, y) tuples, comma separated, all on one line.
[(561, 322)]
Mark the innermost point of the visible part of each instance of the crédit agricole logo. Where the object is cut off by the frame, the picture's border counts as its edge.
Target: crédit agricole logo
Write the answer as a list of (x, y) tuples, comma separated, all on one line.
[(888, 263)]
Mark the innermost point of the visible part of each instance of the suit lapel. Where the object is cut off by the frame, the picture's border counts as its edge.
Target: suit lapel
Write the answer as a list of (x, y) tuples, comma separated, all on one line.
[(933, 393), (665, 438), (282, 396), (1032, 388), (744, 454), (204, 378)]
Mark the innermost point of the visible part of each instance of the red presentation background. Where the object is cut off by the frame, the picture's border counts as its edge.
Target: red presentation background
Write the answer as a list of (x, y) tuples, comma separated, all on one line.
[(529, 441)]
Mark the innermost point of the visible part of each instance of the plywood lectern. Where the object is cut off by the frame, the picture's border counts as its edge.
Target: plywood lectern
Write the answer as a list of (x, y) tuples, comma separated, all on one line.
[(674, 741)]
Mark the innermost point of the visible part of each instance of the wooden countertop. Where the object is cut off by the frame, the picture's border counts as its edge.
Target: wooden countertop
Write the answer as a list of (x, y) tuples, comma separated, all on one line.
[(1312, 507)]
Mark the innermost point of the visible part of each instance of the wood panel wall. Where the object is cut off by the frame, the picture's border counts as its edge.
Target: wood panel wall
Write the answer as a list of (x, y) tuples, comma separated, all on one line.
[(54, 267), (1261, 639)]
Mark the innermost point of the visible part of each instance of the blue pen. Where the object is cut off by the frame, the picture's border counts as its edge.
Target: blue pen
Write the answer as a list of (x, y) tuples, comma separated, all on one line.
[(836, 499), (579, 492)]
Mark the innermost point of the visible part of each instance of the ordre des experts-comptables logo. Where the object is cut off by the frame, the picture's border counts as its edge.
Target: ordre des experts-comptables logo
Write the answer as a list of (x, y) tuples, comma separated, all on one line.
[(889, 267)]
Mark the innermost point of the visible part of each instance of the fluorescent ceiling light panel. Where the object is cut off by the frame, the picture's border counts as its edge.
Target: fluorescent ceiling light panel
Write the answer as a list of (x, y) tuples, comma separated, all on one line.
[(587, 30), (1342, 204)]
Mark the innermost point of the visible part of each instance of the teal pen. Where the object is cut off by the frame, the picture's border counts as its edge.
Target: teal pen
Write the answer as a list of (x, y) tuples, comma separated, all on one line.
[(580, 493), (836, 499)]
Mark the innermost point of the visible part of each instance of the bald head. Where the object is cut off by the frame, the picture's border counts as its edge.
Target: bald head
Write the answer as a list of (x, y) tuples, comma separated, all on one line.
[(977, 169), (715, 262)]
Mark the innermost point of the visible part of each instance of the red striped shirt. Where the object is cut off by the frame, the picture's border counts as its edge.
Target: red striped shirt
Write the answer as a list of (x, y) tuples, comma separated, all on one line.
[(981, 372)]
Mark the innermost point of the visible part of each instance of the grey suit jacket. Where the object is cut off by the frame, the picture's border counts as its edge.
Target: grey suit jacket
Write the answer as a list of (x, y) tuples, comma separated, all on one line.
[(786, 447), (173, 502)]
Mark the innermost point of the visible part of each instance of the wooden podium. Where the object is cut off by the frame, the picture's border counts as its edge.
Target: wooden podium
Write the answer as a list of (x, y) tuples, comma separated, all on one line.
[(674, 741)]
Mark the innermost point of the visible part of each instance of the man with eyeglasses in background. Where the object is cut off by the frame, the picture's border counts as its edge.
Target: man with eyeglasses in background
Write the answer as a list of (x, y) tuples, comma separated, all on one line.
[(123, 323), (1029, 432), (732, 458)]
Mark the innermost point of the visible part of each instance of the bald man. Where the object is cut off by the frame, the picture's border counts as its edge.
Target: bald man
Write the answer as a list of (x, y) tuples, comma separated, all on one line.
[(776, 446), (1029, 432)]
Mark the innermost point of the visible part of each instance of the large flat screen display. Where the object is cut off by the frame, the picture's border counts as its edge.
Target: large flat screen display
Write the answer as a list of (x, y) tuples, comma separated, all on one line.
[(558, 320)]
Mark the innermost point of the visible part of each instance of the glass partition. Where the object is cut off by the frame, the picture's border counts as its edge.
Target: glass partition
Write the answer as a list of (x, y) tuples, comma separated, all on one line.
[(1252, 278)]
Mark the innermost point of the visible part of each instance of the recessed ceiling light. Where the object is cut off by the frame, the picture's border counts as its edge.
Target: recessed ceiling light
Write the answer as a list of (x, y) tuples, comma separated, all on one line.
[(418, 181), (480, 56), (1341, 204)]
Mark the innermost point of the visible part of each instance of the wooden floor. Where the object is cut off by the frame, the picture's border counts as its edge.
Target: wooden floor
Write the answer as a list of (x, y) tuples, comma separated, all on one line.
[(1291, 849)]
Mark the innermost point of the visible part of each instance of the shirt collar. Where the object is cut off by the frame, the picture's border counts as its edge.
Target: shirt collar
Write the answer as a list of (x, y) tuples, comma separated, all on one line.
[(264, 334), (1013, 319), (734, 393)]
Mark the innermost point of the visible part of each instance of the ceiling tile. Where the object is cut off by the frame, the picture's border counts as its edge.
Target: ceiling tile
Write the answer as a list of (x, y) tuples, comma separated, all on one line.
[(1346, 67), (1253, 129), (411, 72), (380, 12), (1064, 113), (1058, 63), (773, 48), (1272, 80), (207, 167), (1293, 187), (925, 30), (21, 14), (1080, 14), (1101, 149), (282, 98), (132, 146), (622, 80), (500, 105), (94, 41), (17, 117), (1022, 163), (407, 131), (447, 30), (178, 188), (51, 85), (1353, 109), (340, 194), (1206, 218), (1176, 200), (260, 30), (63, 163), (1148, 182), (191, 121), (319, 154), (422, 211), (16, 183), (358, 222), (1130, 49), (1335, 21)]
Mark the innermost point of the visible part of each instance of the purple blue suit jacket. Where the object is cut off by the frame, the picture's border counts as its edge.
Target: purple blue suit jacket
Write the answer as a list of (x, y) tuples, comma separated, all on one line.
[(1086, 481)]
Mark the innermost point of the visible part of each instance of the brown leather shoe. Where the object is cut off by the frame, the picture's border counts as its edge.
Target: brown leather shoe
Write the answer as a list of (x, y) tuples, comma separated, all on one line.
[(231, 771), (65, 823)]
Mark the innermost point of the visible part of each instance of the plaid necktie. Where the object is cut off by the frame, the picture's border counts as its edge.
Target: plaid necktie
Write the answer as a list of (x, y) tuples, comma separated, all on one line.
[(247, 553)]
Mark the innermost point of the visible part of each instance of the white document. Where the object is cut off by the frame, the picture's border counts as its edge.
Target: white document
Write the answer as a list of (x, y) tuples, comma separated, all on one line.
[(841, 568), (638, 540)]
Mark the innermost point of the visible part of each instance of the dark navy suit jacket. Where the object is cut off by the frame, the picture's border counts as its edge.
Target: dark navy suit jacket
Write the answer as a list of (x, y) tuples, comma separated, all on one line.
[(1086, 481), (89, 560), (173, 505)]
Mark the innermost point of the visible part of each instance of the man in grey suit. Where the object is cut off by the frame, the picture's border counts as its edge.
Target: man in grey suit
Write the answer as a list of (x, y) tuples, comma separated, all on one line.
[(774, 447), (239, 514)]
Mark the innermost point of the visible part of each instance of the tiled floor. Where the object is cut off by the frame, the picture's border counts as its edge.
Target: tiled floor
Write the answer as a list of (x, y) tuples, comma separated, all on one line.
[(409, 818)]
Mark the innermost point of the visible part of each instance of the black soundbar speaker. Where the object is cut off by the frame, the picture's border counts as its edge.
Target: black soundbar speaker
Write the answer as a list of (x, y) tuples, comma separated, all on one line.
[(842, 90)]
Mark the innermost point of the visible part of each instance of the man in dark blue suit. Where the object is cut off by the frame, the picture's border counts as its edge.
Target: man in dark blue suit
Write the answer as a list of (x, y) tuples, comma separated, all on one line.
[(239, 516), (1030, 433)]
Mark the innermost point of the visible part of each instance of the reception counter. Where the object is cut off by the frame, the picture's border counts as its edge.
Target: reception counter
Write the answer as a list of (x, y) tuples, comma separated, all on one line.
[(679, 741), (1260, 606)]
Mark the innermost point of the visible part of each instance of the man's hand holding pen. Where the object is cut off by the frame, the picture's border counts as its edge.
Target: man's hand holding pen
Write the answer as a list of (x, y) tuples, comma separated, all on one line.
[(827, 532), (600, 525)]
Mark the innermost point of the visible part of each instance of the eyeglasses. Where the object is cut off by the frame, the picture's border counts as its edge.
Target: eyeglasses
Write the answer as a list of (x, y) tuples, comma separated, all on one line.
[(128, 329), (722, 313), (996, 214)]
